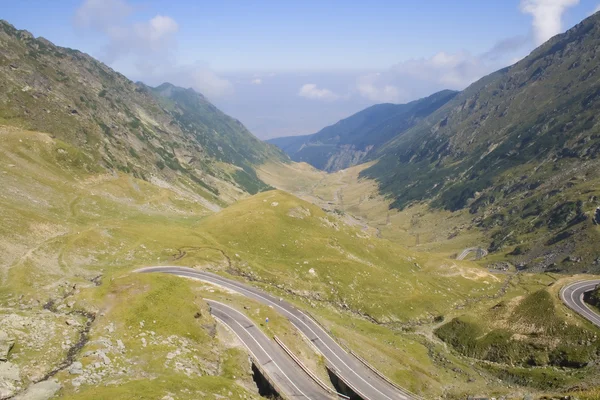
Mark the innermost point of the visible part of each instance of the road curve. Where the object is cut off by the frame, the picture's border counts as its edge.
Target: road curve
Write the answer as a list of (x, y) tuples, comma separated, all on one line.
[(572, 296), (289, 378), (479, 253), (362, 380)]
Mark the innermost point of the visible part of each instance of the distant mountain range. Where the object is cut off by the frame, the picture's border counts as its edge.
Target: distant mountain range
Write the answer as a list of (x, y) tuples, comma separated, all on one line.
[(352, 140)]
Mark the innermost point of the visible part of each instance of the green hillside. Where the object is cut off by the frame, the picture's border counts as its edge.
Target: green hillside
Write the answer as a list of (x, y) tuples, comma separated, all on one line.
[(519, 149)]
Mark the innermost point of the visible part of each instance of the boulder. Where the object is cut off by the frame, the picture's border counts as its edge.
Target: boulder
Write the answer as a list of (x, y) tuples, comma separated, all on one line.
[(76, 368), (40, 391), (9, 371)]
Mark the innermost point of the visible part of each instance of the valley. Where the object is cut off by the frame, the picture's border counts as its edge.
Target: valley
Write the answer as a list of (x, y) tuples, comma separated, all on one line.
[(152, 247)]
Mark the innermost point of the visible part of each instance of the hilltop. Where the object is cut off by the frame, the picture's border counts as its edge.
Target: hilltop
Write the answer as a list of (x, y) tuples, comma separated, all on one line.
[(518, 149)]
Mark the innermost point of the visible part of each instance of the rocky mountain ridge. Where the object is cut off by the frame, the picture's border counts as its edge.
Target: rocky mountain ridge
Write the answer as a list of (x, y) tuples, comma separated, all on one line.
[(175, 135)]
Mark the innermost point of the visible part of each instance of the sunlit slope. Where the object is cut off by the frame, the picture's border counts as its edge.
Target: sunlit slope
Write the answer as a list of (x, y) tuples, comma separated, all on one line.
[(277, 238), (418, 227), (70, 233), (60, 211), (519, 149)]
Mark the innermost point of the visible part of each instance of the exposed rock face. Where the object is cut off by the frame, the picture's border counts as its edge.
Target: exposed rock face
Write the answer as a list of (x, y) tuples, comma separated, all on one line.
[(6, 345), (76, 368), (10, 377), (346, 156), (40, 391)]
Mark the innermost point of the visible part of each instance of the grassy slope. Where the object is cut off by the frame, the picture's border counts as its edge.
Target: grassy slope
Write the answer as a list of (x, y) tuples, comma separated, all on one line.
[(446, 233), (289, 242), (65, 225), (418, 227)]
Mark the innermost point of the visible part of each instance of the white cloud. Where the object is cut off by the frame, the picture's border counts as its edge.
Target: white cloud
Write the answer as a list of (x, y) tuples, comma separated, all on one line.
[(596, 9), (207, 82), (412, 79), (155, 37), (452, 70), (198, 76), (416, 78), (547, 16), (147, 46), (101, 14), (311, 91), (256, 81), (156, 29), (372, 87)]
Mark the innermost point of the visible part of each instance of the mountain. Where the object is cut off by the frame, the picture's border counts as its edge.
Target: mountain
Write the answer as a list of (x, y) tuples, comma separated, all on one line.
[(354, 139), (165, 132), (519, 149), (289, 144)]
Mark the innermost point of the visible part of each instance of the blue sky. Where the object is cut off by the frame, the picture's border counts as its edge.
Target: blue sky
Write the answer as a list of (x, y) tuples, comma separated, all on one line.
[(291, 67)]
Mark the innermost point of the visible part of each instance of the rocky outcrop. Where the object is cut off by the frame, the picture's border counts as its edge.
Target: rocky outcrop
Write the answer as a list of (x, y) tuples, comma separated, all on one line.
[(346, 156), (6, 345), (40, 391)]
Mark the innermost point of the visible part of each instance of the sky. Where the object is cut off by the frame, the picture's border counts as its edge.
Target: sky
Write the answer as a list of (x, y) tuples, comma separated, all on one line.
[(289, 67)]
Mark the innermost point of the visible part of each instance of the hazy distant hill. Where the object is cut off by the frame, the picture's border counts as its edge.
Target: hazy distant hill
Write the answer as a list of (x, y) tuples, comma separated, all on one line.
[(353, 139)]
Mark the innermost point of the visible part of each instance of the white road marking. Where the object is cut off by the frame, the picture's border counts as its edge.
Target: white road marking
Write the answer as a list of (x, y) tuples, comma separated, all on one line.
[(286, 311), (262, 348)]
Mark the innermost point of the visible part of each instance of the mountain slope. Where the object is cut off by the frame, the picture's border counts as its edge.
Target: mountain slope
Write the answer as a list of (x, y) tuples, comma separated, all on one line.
[(122, 125), (519, 147), (351, 140)]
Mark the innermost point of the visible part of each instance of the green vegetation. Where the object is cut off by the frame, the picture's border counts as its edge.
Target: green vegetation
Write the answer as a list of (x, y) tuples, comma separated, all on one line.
[(313, 254), (529, 129), (528, 334), (142, 181), (220, 136)]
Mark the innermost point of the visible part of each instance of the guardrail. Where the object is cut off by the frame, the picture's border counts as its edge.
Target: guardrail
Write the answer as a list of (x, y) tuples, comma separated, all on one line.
[(274, 385), (362, 361), (308, 371), (254, 360), (385, 378)]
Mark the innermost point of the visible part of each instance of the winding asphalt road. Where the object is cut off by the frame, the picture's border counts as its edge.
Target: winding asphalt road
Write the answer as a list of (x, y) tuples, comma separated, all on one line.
[(361, 379), (279, 367), (572, 296), (479, 253)]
